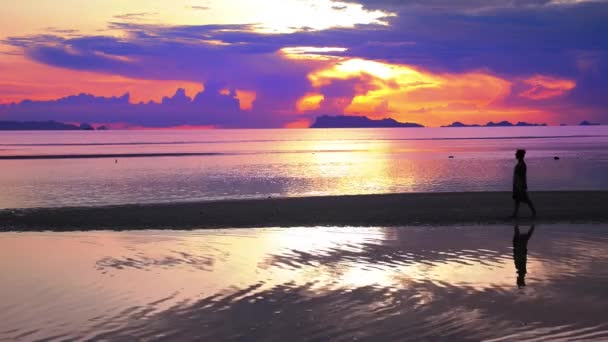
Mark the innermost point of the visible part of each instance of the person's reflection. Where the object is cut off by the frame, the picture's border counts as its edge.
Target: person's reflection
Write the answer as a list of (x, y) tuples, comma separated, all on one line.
[(520, 253)]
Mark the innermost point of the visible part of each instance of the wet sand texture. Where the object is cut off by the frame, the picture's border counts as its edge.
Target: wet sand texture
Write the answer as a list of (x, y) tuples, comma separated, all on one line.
[(361, 210), (305, 284)]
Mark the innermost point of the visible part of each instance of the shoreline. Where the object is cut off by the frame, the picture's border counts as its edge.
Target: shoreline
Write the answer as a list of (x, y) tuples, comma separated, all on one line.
[(405, 209)]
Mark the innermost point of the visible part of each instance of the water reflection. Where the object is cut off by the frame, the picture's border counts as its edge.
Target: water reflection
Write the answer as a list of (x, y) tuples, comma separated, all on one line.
[(144, 262), (520, 252), (408, 283)]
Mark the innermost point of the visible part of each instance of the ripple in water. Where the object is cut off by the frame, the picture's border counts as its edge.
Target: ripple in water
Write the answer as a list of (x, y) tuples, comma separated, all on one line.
[(409, 283)]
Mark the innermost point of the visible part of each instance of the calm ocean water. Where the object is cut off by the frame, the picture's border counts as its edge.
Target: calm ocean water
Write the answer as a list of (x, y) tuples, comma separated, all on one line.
[(172, 166)]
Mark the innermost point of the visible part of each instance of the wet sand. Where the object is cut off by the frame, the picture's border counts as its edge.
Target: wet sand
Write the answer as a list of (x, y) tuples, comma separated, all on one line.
[(307, 284), (360, 210)]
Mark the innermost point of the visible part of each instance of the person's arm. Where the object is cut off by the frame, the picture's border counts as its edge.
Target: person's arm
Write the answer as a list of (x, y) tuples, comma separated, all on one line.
[(518, 177)]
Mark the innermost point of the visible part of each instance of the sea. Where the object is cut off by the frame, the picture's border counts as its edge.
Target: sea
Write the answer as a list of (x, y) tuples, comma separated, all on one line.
[(92, 168)]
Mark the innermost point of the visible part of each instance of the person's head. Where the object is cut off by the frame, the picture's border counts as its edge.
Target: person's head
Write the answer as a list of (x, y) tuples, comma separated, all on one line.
[(520, 154)]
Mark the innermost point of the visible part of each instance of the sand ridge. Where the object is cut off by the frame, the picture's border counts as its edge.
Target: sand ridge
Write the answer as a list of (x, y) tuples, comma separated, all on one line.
[(359, 210)]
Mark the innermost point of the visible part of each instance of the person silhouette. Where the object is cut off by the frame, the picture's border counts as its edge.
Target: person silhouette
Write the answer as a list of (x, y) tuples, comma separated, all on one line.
[(520, 184), (520, 253)]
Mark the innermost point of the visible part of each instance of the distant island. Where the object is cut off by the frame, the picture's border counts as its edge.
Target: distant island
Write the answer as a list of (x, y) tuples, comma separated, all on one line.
[(46, 126), (496, 124), (587, 123), (344, 121)]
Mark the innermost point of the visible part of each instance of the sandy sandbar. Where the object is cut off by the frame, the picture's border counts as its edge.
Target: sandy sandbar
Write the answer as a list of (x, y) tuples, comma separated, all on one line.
[(359, 210)]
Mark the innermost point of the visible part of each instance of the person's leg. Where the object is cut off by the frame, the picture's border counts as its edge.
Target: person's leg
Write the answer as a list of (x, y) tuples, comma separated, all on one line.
[(531, 205), (515, 208)]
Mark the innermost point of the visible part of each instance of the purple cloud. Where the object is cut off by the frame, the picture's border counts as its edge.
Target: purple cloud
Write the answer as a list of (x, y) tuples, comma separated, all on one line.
[(207, 108), (511, 39)]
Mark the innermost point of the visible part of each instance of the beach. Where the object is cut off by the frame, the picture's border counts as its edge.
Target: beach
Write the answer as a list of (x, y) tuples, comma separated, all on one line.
[(359, 210), (456, 283), (324, 170), (338, 235)]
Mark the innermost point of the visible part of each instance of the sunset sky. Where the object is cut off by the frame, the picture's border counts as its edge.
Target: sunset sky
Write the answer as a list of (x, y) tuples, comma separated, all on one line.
[(281, 63)]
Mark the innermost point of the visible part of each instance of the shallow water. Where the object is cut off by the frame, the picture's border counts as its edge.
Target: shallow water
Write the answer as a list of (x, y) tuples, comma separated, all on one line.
[(287, 163), (408, 283)]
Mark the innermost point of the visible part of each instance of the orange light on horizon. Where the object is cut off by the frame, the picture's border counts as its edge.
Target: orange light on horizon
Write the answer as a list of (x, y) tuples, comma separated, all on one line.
[(302, 123), (408, 93), (23, 79)]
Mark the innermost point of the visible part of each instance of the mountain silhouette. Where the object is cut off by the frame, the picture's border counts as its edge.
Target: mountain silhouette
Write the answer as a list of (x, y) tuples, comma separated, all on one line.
[(43, 126), (496, 124), (344, 121), (587, 123)]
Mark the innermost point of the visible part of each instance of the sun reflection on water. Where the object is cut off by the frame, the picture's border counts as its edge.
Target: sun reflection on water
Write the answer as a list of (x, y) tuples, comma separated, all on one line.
[(84, 284)]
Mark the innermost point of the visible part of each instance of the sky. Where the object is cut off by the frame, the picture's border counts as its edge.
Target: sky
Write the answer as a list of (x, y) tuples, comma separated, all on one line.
[(281, 63)]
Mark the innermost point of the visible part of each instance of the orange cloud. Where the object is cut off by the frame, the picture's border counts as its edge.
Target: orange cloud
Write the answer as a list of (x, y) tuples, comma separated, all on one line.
[(310, 101), (546, 87), (411, 94), (246, 98)]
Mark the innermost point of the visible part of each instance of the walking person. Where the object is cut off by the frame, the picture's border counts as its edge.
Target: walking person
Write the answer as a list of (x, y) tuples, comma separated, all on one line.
[(520, 184)]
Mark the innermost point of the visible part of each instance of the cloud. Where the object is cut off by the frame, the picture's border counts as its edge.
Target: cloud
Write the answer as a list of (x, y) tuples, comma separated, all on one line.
[(473, 47), (233, 55), (211, 107), (545, 87), (200, 8), (521, 37), (25, 79), (309, 102), (469, 6), (523, 40), (380, 89), (134, 16)]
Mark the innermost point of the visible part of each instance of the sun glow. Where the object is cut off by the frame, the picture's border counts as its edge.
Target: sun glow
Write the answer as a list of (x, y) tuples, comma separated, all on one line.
[(310, 101), (409, 93), (270, 15)]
